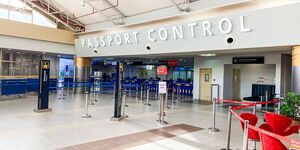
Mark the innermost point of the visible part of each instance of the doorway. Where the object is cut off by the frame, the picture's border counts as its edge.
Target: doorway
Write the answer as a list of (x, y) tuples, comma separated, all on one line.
[(205, 84), (236, 84)]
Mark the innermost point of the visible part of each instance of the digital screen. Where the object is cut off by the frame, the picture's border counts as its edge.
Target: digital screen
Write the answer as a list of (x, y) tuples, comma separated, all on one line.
[(66, 67)]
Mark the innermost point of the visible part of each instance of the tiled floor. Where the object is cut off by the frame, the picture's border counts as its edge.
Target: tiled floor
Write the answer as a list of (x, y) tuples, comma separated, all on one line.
[(22, 129), (136, 139)]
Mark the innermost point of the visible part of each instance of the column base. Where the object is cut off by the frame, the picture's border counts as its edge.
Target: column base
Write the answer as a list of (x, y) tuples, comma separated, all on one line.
[(213, 130), (119, 118), (116, 119), (86, 116), (42, 110)]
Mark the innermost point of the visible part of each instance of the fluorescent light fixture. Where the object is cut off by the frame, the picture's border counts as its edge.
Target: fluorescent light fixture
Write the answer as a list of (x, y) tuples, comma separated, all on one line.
[(208, 55)]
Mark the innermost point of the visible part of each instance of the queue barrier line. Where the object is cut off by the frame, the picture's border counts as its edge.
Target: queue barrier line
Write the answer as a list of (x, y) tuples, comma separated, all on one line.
[(236, 115), (276, 136), (230, 101), (96, 91), (267, 102), (135, 86), (245, 106)]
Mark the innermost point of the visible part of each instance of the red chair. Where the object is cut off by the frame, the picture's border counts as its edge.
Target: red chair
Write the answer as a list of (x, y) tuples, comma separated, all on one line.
[(252, 134), (268, 142), (281, 125)]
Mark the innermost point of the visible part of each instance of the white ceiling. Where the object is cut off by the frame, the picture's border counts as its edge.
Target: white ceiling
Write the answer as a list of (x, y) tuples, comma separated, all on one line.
[(126, 7)]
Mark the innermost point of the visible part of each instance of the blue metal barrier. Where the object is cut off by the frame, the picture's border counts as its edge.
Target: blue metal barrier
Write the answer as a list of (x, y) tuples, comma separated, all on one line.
[(21, 86), (13, 86)]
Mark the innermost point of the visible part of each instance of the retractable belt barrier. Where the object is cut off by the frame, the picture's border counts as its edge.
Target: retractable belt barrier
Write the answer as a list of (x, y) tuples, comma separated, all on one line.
[(247, 126), (140, 87)]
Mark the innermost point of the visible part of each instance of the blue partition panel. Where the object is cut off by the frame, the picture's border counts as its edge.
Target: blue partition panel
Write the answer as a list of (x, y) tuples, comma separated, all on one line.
[(32, 85), (13, 86), (52, 84)]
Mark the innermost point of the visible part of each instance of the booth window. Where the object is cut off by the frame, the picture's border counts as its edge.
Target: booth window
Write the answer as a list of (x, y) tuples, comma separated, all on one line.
[(183, 73), (206, 78), (15, 63), (3, 13)]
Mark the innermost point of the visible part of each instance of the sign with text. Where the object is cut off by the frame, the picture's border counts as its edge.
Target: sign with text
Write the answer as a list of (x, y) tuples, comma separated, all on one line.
[(172, 62), (162, 70), (43, 94), (245, 29), (149, 67), (248, 60), (162, 87)]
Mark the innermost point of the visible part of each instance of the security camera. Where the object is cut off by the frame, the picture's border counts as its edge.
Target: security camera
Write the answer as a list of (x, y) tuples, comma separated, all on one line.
[(95, 51), (148, 47)]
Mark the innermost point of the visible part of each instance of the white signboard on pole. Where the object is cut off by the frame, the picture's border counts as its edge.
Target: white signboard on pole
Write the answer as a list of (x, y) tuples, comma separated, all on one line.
[(162, 87)]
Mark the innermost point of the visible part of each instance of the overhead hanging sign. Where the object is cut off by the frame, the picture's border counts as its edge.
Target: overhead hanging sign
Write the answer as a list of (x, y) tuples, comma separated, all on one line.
[(149, 67), (172, 62), (162, 70), (248, 60)]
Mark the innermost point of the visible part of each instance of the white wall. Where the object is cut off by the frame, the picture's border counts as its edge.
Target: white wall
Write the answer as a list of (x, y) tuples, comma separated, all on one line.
[(228, 73), (249, 75), (271, 27), (54, 64), (35, 45), (218, 70)]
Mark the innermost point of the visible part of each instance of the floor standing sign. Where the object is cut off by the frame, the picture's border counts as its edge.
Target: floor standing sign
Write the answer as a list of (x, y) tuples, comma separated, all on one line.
[(162, 87), (118, 93), (43, 93), (162, 90)]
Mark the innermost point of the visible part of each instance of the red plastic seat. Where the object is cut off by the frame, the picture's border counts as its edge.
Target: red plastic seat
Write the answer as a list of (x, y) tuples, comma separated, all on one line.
[(253, 135), (268, 142), (281, 125)]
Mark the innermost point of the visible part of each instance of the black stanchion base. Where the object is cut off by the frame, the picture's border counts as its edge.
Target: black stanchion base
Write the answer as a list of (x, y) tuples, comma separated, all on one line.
[(119, 118), (42, 110), (213, 130), (162, 122), (225, 149), (116, 119)]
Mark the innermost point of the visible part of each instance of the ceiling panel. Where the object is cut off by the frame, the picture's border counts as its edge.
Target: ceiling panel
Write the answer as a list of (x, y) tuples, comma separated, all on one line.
[(126, 7), (134, 7)]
